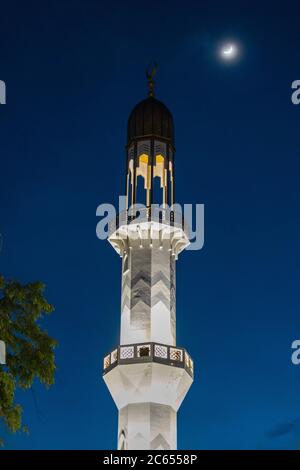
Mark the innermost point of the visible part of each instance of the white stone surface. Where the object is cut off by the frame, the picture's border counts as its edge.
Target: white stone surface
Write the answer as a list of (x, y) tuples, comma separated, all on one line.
[(147, 426), (148, 382), (148, 394)]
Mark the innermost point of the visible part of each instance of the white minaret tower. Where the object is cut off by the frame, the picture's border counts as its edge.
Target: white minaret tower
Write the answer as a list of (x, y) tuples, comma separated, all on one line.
[(148, 375)]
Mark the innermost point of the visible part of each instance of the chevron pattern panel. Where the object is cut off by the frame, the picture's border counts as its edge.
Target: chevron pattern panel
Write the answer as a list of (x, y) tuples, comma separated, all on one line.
[(148, 310)]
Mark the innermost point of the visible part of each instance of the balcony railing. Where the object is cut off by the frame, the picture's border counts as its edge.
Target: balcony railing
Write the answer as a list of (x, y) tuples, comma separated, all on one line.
[(147, 214), (149, 352)]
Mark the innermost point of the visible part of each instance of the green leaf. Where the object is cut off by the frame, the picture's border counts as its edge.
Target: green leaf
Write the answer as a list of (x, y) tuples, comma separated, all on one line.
[(30, 350)]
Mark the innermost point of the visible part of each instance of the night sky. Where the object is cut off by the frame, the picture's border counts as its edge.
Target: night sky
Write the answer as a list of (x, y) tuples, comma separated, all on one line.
[(73, 71)]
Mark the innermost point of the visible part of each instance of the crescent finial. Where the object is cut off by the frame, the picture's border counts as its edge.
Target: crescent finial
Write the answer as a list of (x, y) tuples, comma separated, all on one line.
[(150, 73)]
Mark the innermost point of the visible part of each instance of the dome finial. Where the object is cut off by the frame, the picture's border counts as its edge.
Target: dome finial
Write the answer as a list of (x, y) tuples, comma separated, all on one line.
[(150, 73)]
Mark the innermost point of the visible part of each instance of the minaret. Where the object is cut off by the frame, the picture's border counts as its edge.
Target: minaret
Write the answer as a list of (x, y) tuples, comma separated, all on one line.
[(148, 375)]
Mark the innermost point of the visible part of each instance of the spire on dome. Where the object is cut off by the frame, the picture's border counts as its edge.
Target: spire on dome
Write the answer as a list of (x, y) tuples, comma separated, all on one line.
[(150, 73)]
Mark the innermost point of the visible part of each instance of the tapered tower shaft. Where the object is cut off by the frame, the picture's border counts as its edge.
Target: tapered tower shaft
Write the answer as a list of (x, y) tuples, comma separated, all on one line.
[(147, 375)]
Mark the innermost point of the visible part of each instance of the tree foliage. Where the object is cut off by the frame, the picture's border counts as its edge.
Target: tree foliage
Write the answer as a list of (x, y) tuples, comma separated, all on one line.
[(30, 350)]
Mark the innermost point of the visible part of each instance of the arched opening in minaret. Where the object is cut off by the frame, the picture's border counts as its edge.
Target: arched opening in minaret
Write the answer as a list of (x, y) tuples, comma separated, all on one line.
[(140, 190), (129, 191), (159, 181), (143, 180), (157, 191)]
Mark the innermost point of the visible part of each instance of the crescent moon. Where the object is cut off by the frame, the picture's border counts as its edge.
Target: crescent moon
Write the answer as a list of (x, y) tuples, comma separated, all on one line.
[(228, 51)]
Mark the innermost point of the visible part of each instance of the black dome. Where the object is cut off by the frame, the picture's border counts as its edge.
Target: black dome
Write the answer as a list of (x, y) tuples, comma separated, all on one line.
[(150, 117)]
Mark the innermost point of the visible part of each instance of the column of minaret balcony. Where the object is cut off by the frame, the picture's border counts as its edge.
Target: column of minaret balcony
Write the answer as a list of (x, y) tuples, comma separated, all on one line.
[(147, 375)]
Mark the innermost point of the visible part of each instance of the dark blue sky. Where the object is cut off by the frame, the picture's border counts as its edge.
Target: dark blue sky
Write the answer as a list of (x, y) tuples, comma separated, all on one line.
[(73, 70)]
